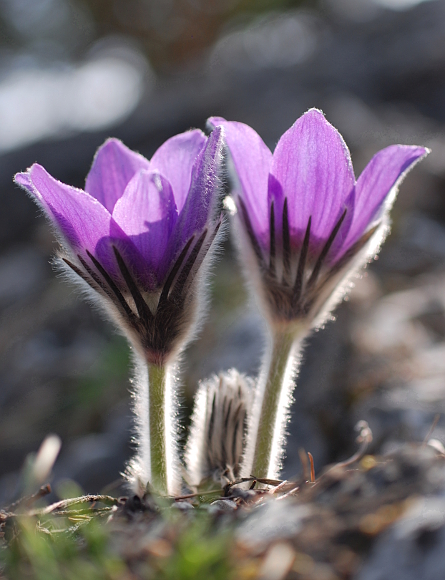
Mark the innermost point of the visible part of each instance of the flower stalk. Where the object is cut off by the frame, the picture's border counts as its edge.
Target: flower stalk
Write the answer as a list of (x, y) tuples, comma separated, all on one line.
[(157, 419), (278, 384)]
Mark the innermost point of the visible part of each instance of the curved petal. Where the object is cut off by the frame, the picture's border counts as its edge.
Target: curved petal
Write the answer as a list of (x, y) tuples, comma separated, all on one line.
[(202, 199), (312, 164), (113, 167), (251, 159), (174, 160), (80, 218), (381, 176), (147, 213)]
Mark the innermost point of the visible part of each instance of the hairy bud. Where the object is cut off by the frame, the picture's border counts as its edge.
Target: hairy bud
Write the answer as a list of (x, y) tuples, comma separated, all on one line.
[(217, 437)]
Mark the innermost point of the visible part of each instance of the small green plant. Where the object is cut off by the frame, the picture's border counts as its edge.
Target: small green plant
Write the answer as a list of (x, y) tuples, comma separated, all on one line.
[(78, 545)]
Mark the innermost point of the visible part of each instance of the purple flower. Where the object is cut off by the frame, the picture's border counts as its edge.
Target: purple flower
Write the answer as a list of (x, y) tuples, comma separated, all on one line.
[(305, 220), (139, 232)]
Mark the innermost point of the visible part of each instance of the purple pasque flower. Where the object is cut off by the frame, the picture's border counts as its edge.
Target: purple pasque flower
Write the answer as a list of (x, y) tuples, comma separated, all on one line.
[(305, 220), (139, 232)]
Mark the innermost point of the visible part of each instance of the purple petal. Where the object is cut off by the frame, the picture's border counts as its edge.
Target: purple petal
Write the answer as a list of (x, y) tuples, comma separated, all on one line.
[(24, 180), (201, 202), (312, 164), (174, 160), (113, 167), (385, 171), (147, 213), (252, 160), (81, 219)]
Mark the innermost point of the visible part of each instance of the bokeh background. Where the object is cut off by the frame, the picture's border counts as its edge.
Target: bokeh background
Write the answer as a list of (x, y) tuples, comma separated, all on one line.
[(73, 72)]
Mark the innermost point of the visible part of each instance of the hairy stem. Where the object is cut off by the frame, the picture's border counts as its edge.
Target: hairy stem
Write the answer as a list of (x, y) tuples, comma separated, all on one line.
[(157, 378), (273, 414)]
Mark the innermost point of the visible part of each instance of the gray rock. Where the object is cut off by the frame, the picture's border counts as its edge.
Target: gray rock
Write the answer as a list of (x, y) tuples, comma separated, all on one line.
[(273, 521), (183, 506), (414, 548), (221, 506)]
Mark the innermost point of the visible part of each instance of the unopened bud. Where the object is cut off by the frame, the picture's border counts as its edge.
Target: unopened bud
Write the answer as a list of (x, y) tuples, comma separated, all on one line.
[(217, 437)]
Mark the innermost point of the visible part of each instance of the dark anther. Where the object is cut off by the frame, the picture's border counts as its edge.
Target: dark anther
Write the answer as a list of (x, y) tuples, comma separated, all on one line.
[(94, 276), (272, 240), (286, 243), (113, 287), (142, 307), (347, 256), (324, 251), (302, 263), (79, 272), (173, 272), (177, 291), (201, 256), (209, 242), (215, 231), (338, 267), (251, 234)]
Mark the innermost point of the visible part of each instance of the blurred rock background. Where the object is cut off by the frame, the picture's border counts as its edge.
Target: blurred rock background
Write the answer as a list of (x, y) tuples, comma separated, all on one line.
[(73, 72)]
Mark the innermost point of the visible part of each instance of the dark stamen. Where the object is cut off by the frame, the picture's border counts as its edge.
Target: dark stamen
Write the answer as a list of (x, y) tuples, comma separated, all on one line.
[(113, 287), (94, 276), (200, 258), (251, 234), (336, 268), (302, 263), (178, 290), (173, 272), (142, 307), (79, 272), (209, 243), (349, 254), (272, 241), (286, 243), (324, 251)]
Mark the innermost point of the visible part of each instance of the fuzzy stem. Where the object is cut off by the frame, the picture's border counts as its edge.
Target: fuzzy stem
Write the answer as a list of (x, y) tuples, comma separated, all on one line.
[(157, 376), (278, 372)]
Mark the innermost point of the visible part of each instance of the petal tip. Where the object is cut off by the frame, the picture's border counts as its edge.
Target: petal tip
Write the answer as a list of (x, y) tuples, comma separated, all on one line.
[(25, 178), (213, 122), (313, 111), (216, 140), (112, 143), (22, 178)]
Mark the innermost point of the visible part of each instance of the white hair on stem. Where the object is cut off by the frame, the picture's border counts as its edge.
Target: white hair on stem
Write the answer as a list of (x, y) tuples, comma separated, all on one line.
[(195, 447), (283, 416), (138, 471), (278, 434)]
